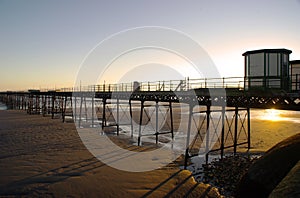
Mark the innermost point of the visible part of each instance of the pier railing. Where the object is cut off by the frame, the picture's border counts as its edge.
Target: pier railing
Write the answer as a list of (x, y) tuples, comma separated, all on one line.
[(240, 83), (165, 85)]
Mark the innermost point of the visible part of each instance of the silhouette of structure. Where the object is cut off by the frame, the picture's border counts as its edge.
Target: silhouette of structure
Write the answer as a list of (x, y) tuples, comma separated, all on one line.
[(267, 69), (295, 75), (269, 82)]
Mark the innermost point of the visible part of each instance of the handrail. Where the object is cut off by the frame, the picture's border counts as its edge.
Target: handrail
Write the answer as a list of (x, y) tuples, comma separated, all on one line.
[(178, 85)]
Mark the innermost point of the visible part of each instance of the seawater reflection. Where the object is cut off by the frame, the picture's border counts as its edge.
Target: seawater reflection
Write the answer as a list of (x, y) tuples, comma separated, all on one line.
[(275, 115), (3, 106)]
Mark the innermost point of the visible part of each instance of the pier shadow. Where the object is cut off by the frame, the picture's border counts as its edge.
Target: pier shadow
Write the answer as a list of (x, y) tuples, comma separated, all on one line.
[(39, 182), (182, 181)]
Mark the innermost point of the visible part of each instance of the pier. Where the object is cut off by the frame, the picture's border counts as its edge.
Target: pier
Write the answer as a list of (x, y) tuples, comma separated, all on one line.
[(223, 117)]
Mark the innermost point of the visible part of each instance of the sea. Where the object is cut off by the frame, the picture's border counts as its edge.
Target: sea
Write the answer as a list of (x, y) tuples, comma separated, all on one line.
[(3, 106)]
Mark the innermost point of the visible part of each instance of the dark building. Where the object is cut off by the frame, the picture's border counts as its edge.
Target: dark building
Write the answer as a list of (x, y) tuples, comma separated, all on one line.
[(267, 68), (295, 75)]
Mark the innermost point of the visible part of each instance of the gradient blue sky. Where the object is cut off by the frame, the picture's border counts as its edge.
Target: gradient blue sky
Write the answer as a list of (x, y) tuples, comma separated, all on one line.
[(43, 43)]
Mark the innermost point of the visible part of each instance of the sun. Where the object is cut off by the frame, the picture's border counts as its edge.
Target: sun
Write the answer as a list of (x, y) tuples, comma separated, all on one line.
[(272, 115)]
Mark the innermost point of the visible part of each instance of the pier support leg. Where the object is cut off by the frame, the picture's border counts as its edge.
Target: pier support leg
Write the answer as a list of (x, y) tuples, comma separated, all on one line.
[(93, 109), (118, 116), (80, 110), (104, 113), (223, 131), (53, 101), (186, 157), (248, 128), (44, 105), (156, 122), (85, 109), (64, 108), (141, 122), (207, 143), (130, 112), (171, 119), (75, 109), (236, 114)]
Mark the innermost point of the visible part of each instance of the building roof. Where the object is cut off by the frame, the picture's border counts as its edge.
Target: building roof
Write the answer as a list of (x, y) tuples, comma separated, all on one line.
[(282, 50), (295, 62)]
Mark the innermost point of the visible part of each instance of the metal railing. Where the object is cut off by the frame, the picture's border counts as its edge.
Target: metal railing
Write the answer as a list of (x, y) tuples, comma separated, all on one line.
[(187, 84), (170, 85)]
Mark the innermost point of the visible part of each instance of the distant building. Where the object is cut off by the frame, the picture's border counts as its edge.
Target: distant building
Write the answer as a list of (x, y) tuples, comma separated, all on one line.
[(267, 68), (295, 75), (33, 90)]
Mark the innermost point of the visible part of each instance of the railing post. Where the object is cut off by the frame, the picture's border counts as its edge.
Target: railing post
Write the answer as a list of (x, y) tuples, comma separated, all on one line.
[(158, 86)]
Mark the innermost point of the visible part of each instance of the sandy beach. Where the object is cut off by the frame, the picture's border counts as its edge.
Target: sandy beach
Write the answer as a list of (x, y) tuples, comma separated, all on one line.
[(265, 132), (41, 156), (44, 157)]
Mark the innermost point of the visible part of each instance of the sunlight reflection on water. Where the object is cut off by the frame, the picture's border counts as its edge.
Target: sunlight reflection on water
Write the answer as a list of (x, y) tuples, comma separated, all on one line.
[(276, 115), (3, 106)]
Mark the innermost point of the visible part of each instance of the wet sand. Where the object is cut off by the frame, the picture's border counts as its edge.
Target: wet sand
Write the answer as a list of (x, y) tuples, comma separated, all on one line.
[(44, 157), (266, 134), (40, 156)]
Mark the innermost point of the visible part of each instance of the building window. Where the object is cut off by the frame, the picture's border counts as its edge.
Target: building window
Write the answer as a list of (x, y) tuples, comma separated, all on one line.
[(273, 65), (256, 65)]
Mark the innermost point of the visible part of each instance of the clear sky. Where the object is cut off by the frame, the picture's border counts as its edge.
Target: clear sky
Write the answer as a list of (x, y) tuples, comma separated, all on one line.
[(43, 43)]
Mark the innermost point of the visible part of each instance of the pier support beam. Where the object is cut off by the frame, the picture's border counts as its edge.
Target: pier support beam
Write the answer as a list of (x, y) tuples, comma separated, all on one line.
[(156, 122), (188, 136), (141, 122), (248, 129), (236, 116), (130, 113), (118, 116), (223, 131), (104, 113)]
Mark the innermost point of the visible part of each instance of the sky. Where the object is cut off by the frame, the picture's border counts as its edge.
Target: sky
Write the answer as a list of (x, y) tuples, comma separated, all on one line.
[(44, 43)]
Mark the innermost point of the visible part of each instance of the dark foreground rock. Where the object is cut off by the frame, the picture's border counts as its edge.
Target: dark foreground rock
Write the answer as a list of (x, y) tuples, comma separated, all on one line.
[(267, 172), (226, 173), (290, 185)]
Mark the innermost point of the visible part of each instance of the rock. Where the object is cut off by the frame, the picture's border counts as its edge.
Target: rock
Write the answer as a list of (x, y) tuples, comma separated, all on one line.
[(268, 171), (290, 185)]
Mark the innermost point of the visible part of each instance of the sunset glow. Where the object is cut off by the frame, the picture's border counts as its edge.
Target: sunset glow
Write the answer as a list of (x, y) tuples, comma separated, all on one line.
[(43, 45), (272, 115)]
